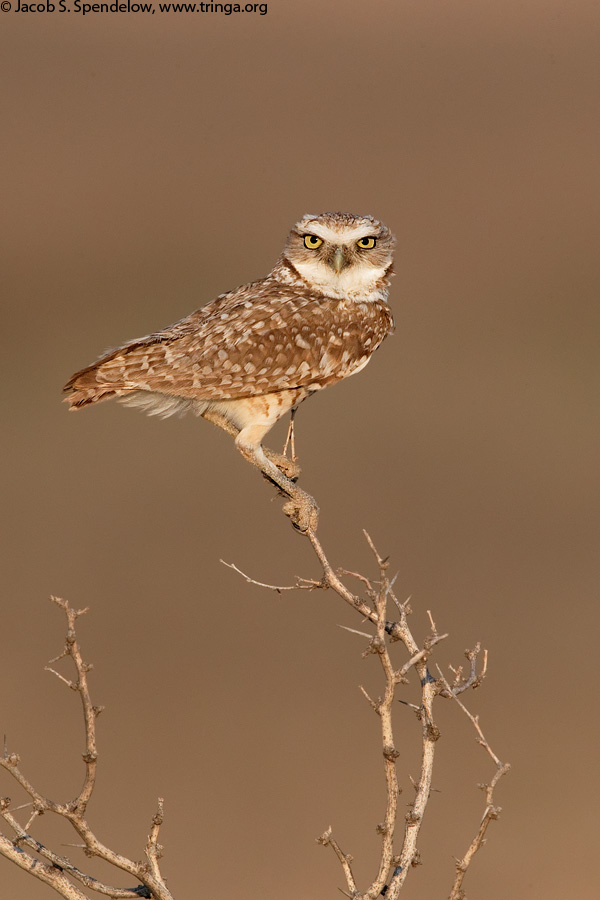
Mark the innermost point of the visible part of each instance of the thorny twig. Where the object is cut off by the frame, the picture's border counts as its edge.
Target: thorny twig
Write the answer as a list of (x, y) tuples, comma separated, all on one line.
[(306, 584), (57, 871), (393, 867), (491, 811)]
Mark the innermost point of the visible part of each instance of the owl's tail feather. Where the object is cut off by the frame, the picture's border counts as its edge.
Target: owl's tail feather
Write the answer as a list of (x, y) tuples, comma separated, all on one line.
[(87, 387), (78, 398), (96, 383)]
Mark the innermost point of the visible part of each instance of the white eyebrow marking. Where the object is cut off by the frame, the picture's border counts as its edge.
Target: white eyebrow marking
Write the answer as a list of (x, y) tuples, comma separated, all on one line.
[(348, 235)]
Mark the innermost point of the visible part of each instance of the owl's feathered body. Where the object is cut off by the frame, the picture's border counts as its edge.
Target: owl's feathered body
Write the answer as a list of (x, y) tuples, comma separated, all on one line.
[(262, 337), (252, 354)]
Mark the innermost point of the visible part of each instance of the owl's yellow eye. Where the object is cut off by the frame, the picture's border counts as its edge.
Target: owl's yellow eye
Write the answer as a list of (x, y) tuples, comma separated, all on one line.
[(366, 243), (312, 241)]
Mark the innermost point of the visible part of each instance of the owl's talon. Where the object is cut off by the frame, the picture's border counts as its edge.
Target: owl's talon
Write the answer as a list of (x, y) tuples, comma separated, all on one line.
[(289, 468), (303, 512)]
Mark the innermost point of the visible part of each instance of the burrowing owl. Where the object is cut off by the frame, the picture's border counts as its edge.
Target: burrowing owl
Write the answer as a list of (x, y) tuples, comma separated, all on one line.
[(255, 353)]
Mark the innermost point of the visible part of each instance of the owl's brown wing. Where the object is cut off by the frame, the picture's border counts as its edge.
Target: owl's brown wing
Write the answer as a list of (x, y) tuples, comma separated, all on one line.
[(260, 338)]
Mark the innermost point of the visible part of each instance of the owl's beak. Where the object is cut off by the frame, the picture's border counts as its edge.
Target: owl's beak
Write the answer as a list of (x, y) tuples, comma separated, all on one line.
[(339, 260)]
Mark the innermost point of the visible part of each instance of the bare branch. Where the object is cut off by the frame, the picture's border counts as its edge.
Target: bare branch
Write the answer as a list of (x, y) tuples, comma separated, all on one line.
[(345, 859), (302, 584), (370, 701), (58, 870), (491, 811), (473, 680), (67, 681), (50, 875), (359, 577), (90, 757), (421, 654), (153, 849), (397, 631), (62, 863), (382, 563), (378, 593)]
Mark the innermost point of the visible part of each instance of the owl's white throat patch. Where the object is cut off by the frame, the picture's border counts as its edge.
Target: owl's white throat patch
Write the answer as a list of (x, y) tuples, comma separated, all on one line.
[(356, 279)]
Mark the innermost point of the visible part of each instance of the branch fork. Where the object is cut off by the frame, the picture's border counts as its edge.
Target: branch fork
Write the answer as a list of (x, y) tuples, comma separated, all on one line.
[(44, 864), (373, 607)]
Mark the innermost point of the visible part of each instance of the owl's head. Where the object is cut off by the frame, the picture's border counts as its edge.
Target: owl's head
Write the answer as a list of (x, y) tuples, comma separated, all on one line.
[(340, 252)]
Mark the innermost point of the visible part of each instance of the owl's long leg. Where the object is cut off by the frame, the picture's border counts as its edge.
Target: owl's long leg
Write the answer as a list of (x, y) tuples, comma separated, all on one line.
[(301, 507), (290, 436), (289, 467)]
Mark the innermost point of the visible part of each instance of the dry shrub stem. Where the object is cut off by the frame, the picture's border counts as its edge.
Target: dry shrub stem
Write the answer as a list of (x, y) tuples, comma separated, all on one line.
[(373, 606), (491, 811), (58, 871)]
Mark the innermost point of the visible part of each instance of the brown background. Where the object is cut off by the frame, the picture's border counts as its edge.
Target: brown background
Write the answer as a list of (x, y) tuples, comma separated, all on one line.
[(152, 162)]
